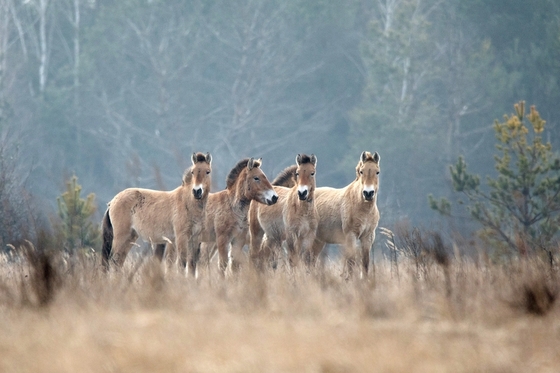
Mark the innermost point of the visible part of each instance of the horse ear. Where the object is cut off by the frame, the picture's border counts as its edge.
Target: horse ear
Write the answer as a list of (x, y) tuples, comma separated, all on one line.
[(208, 158), (376, 157), (298, 159), (259, 162), (313, 160), (363, 157), (250, 163), (193, 158)]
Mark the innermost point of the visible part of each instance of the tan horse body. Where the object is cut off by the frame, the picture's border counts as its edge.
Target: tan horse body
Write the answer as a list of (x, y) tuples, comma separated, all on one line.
[(293, 218), (226, 211), (159, 217), (349, 216)]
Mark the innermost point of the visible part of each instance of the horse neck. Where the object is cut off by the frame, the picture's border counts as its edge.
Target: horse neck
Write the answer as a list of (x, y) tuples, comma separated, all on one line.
[(238, 202), (184, 193), (191, 202), (305, 205), (355, 190)]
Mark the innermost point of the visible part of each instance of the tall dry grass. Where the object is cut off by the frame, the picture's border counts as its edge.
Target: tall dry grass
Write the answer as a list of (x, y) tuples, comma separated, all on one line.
[(437, 314)]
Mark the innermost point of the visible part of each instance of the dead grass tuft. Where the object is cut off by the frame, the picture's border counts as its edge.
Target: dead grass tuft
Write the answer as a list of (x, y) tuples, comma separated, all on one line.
[(538, 298), (535, 295), (44, 279)]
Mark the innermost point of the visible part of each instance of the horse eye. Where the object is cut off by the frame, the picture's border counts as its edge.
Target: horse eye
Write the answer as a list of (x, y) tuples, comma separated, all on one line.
[(256, 178), (313, 174), (192, 172), (208, 172), (297, 173), (361, 172), (378, 172)]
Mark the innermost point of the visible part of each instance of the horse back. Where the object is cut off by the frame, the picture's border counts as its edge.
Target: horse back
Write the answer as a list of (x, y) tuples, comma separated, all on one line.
[(151, 213), (329, 202)]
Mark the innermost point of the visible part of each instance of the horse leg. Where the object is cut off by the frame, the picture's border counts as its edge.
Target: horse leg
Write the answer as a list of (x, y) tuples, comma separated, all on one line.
[(292, 243), (193, 252), (170, 254), (365, 253), (350, 251), (121, 246), (256, 252), (306, 247), (159, 251), (365, 260), (237, 250), (182, 252), (197, 252), (211, 251), (186, 248), (205, 250), (269, 254), (315, 249), (222, 244)]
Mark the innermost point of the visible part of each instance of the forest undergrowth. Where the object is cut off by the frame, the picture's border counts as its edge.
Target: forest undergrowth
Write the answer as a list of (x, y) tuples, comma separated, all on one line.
[(64, 314)]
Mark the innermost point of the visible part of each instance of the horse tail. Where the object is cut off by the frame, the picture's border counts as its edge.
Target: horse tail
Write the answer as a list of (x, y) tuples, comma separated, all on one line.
[(286, 178), (107, 240)]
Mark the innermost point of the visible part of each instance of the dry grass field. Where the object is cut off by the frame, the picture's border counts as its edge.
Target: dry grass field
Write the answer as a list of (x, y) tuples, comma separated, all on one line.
[(66, 315)]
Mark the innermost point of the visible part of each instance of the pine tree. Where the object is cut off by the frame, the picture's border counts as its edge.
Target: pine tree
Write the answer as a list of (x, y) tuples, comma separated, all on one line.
[(520, 208), (76, 229)]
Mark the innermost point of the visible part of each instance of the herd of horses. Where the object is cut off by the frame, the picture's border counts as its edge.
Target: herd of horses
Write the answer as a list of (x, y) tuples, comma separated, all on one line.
[(291, 213)]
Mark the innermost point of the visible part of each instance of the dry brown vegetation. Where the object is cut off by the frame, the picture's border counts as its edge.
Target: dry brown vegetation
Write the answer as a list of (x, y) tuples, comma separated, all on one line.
[(65, 315)]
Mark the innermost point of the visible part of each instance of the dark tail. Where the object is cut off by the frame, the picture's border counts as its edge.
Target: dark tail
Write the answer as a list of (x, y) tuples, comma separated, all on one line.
[(107, 240)]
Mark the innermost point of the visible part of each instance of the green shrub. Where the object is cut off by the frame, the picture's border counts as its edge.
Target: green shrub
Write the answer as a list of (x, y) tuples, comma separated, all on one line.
[(76, 229), (520, 208)]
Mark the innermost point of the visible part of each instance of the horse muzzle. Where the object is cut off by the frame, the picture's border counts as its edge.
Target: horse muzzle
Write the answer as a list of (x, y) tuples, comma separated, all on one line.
[(368, 194), (272, 200), (197, 193), (302, 195)]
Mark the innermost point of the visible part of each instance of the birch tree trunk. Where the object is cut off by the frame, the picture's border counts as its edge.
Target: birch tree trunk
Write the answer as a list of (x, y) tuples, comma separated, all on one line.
[(4, 29), (43, 60)]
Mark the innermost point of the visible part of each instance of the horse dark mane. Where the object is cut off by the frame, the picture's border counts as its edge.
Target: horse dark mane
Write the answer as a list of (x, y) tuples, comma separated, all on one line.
[(187, 176), (235, 171), (286, 177), (368, 157), (199, 157), (304, 158)]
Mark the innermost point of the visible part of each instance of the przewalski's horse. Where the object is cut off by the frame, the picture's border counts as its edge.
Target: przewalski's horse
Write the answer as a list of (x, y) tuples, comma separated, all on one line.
[(226, 211), (293, 218), (349, 216), (159, 217)]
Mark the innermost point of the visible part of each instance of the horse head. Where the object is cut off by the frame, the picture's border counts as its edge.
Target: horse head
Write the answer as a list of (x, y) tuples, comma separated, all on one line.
[(367, 172), (200, 175), (257, 186), (305, 176)]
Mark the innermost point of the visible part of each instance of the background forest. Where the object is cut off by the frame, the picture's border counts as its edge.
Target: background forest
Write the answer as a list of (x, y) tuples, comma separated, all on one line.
[(121, 92)]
